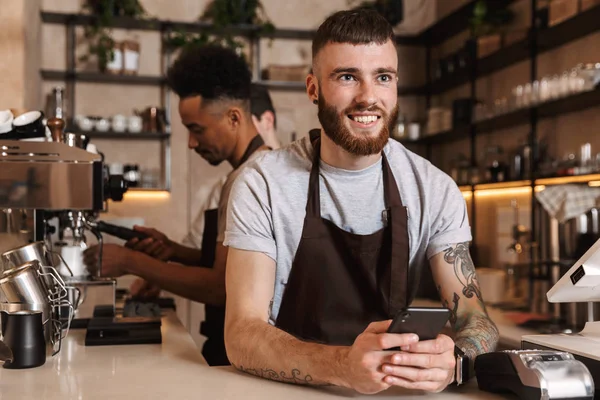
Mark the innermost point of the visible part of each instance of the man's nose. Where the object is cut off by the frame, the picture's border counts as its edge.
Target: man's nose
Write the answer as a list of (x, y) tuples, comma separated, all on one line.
[(366, 95)]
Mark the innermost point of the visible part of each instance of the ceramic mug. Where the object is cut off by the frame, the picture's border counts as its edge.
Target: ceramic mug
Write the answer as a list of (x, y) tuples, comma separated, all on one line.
[(119, 123), (134, 124), (6, 120), (102, 125), (30, 123)]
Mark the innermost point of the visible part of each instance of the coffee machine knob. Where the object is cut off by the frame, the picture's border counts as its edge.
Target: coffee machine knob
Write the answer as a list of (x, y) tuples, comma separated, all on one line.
[(116, 187)]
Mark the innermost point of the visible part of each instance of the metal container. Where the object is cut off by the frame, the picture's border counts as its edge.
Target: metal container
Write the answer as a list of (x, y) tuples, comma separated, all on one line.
[(38, 253), (23, 285), (561, 245)]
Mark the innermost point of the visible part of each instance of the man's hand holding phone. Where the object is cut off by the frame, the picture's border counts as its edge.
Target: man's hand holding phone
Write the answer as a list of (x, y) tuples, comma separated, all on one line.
[(370, 366), (428, 364)]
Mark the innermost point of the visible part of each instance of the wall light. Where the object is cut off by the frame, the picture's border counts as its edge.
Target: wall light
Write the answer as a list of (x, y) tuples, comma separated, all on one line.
[(568, 179), (147, 195)]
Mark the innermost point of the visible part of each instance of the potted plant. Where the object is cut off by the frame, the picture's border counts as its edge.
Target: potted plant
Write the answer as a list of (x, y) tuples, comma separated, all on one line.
[(98, 34), (392, 10), (225, 14), (486, 25)]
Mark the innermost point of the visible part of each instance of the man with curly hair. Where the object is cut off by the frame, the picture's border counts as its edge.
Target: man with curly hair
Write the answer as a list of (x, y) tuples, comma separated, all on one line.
[(215, 91)]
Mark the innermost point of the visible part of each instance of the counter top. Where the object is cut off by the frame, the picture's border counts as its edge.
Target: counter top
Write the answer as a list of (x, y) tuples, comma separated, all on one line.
[(173, 370)]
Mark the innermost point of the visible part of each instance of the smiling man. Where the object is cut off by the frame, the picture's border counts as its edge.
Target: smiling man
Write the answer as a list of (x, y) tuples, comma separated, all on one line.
[(327, 237)]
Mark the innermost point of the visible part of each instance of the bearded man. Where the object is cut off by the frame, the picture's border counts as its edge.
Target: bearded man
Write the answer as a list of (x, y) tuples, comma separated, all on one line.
[(327, 237)]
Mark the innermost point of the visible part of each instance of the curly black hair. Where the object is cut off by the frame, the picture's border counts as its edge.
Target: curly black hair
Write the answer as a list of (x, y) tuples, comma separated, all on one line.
[(211, 71)]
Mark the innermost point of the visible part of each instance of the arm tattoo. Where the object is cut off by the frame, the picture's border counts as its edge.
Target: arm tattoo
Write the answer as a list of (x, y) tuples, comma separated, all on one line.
[(475, 332), (464, 269), (294, 377)]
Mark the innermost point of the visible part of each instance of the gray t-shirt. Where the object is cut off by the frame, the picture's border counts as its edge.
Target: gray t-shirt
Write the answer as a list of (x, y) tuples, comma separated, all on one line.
[(268, 201), (226, 191)]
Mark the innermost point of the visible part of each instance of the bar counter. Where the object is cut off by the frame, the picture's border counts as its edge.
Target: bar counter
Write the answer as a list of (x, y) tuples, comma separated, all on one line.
[(173, 370)]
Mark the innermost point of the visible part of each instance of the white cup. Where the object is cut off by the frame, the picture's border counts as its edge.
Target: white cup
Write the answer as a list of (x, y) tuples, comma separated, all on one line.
[(85, 123), (134, 124), (73, 256), (413, 131), (6, 120), (119, 123), (102, 125)]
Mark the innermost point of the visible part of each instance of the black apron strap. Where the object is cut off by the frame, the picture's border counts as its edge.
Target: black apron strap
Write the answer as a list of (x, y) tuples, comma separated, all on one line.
[(313, 205), (397, 218), (254, 145)]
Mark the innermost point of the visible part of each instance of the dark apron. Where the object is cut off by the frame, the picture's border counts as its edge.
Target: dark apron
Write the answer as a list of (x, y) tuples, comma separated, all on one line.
[(213, 326), (341, 282)]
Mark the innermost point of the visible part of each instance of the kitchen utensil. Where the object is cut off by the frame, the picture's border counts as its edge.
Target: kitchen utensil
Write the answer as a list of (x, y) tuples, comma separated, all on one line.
[(57, 103), (120, 231), (23, 285), (24, 335), (38, 251), (57, 127)]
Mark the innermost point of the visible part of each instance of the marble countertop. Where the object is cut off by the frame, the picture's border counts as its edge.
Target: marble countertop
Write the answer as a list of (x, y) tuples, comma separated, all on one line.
[(173, 370)]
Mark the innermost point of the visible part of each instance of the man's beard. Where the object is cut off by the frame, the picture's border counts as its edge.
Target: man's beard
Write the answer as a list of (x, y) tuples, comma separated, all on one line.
[(355, 144)]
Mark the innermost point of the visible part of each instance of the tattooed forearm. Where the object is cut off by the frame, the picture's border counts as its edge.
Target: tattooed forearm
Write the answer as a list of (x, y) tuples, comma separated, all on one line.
[(475, 331), (478, 335), (453, 308), (295, 376)]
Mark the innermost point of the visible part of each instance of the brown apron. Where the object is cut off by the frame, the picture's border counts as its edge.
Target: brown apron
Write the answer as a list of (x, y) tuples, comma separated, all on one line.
[(214, 322), (341, 282)]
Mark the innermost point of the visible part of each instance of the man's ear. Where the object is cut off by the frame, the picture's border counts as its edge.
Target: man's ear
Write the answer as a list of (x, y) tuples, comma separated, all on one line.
[(267, 119), (312, 87), (234, 116)]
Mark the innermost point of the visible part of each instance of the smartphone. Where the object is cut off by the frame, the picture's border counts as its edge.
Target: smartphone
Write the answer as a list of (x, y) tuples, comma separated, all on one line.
[(426, 322)]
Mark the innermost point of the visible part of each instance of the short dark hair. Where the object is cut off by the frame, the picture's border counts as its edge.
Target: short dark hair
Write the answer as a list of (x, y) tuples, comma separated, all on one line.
[(260, 100), (210, 71), (352, 26)]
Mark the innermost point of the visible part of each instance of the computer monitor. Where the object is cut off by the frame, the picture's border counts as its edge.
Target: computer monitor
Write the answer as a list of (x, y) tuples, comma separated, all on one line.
[(581, 283)]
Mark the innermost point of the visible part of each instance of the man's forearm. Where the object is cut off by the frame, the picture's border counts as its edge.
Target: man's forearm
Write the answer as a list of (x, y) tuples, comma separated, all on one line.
[(476, 335), (186, 255), (475, 331), (201, 284), (257, 348)]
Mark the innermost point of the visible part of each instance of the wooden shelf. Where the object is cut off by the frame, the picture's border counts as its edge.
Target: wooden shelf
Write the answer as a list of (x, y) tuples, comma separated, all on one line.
[(577, 27), (166, 25), (455, 22), (443, 137), (523, 184), (503, 185), (98, 77), (550, 109), (197, 27), (560, 180), (123, 135)]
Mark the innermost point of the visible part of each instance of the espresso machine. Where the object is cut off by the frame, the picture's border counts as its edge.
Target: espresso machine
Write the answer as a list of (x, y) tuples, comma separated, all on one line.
[(53, 193)]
